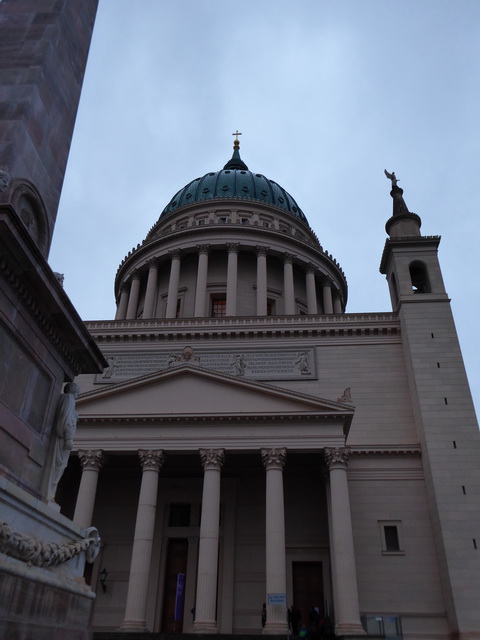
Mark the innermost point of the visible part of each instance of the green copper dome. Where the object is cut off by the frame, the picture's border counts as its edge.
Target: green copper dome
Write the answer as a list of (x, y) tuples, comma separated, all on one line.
[(235, 181)]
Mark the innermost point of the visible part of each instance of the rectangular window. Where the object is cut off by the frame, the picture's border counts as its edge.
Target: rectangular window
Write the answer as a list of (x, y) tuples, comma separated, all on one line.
[(391, 536), (219, 307)]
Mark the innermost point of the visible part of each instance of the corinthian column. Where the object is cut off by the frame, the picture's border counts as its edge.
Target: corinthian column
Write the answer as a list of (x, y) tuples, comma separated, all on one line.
[(133, 297), (262, 281), (232, 270), (201, 290), (311, 290), (347, 614), (205, 609), (151, 289), (288, 290), (274, 461), (135, 610), (92, 462), (337, 304), (327, 296), (173, 284), (123, 302)]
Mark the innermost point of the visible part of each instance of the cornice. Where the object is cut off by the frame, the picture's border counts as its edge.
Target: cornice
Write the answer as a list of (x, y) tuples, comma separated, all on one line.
[(363, 327), (184, 419), (406, 242)]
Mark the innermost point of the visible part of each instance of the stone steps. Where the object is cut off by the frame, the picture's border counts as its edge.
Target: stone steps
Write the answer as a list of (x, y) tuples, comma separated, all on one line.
[(124, 635)]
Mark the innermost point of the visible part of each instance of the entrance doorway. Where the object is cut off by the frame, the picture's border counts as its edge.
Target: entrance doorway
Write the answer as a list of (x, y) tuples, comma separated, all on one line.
[(174, 591), (307, 580)]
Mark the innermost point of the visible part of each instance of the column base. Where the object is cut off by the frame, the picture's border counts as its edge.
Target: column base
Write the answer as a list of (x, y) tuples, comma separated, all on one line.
[(133, 625), (350, 629), (275, 629), (205, 626)]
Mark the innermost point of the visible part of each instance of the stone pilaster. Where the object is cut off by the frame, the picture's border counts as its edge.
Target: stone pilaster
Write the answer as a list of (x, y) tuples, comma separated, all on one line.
[(92, 462), (135, 610), (347, 614), (205, 611), (276, 577)]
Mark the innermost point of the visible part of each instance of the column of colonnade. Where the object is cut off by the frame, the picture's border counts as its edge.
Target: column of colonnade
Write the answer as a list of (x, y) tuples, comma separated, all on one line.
[(201, 288), (206, 601), (276, 565), (232, 276), (136, 607), (347, 613), (92, 461), (288, 286), (129, 296)]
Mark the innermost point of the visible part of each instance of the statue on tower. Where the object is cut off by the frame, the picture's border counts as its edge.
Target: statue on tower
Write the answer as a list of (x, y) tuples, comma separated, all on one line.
[(392, 177)]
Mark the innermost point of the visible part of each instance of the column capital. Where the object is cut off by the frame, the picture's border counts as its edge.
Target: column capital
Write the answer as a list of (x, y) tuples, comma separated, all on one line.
[(124, 287), (152, 263), (203, 248), (136, 273), (274, 458), (151, 459), (91, 459), (327, 281), (233, 247), (212, 458), (310, 268), (262, 251), (337, 458), (175, 254), (288, 258)]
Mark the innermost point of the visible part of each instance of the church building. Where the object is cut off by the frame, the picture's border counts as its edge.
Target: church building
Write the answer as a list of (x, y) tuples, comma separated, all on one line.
[(251, 443)]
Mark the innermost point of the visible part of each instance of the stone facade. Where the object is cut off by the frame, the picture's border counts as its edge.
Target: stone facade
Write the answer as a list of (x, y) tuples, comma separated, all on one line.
[(299, 455)]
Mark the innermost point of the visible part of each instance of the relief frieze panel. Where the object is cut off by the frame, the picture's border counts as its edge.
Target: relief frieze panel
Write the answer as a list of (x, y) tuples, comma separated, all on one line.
[(259, 364)]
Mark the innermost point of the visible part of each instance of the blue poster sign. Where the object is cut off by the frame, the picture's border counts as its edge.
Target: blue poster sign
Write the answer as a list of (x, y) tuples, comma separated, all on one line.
[(277, 598), (179, 597)]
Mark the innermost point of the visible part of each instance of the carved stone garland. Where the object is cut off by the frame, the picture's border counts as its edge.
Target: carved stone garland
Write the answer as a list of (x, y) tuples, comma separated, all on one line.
[(46, 554)]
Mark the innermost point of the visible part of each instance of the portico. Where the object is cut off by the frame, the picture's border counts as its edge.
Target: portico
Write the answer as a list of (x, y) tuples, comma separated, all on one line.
[(221, 463)]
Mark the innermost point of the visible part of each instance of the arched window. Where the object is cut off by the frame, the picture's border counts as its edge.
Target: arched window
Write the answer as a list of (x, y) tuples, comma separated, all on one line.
[(419, 278)]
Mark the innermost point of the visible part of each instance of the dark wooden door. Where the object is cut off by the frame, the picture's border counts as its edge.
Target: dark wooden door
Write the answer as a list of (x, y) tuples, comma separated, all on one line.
[(308, 591), (174, 591)]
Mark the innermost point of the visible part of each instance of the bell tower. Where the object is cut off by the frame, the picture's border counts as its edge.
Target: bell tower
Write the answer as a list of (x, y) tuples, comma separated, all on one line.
[(444, 413)]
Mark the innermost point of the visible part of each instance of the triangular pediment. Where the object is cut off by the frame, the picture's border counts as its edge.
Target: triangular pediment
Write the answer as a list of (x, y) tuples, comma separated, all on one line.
[(189, 390)]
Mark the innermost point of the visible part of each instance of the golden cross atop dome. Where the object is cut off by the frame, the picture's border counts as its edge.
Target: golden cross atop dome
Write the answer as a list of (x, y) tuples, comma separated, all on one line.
[(236, 142)]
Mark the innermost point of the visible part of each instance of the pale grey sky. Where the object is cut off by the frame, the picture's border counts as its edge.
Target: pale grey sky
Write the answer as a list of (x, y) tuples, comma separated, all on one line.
[(327, 93)]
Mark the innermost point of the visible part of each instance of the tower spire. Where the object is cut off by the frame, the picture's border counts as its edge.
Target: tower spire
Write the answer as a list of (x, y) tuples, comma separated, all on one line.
[(403, 222)]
